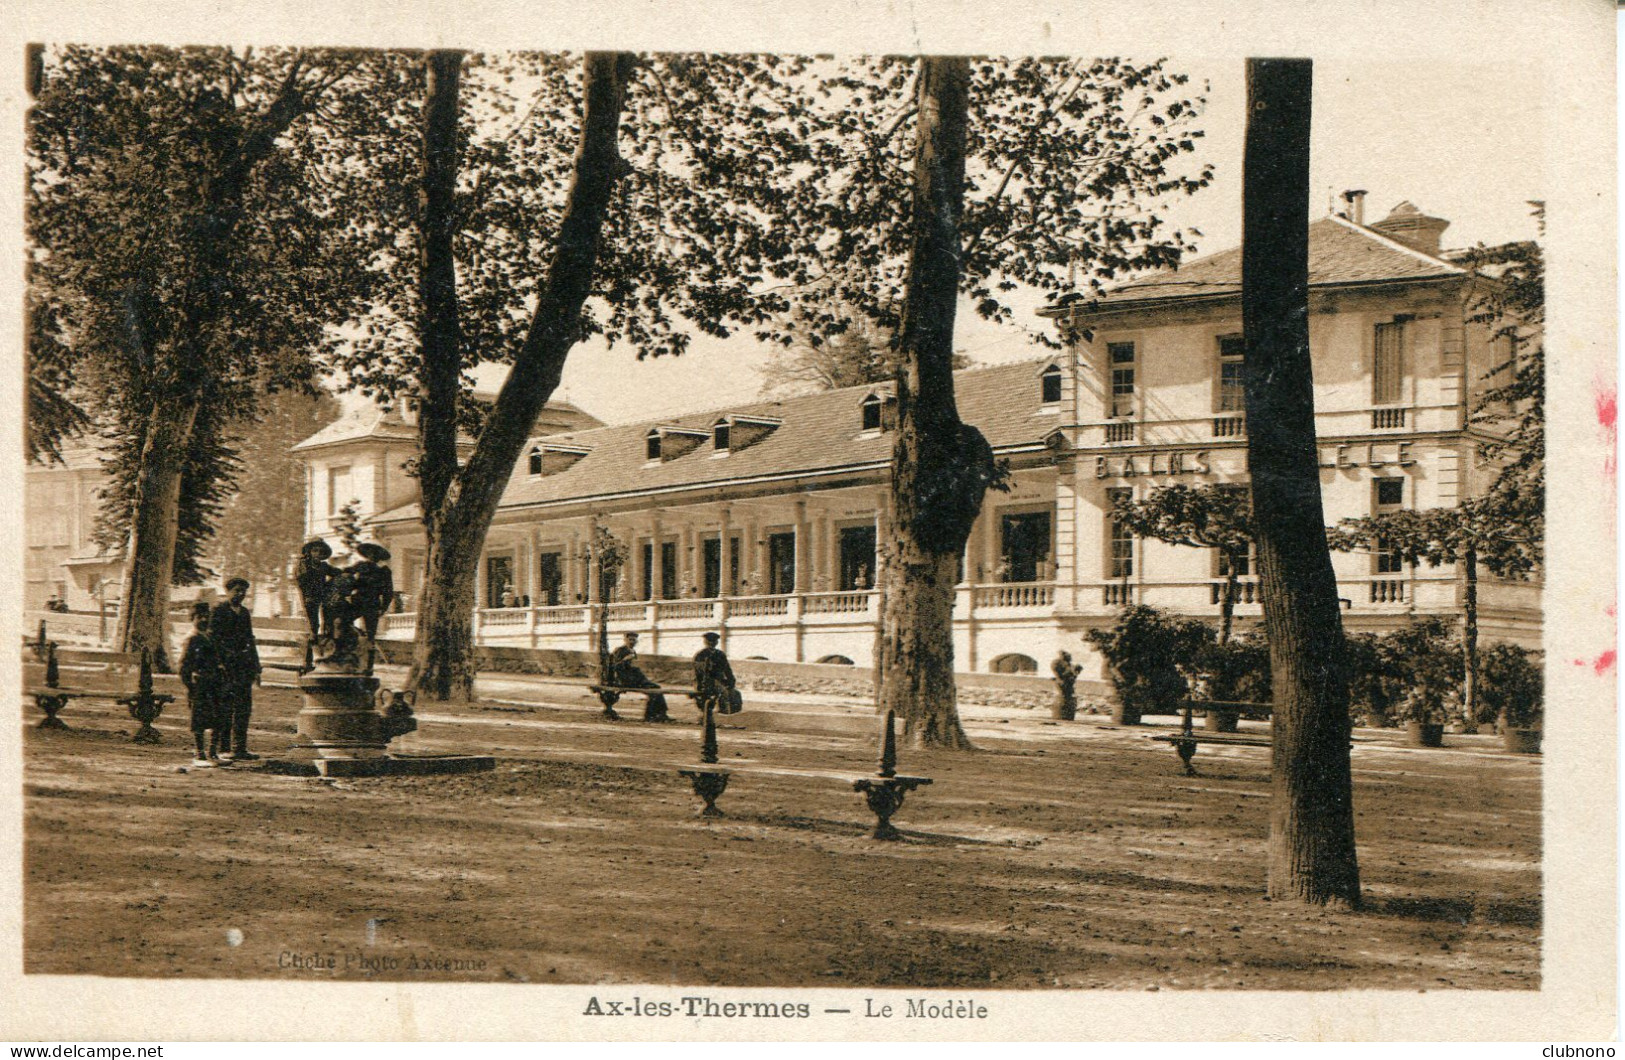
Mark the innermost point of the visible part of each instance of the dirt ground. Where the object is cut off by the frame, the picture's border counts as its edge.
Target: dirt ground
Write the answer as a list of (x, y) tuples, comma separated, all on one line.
[(1071, 856)]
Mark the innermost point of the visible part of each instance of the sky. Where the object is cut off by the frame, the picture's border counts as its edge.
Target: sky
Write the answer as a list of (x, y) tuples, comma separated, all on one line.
[(1462, 142)]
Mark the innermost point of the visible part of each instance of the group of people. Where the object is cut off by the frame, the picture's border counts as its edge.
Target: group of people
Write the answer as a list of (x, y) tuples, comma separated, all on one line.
[(334, 597), (713, 679), (220, 666)]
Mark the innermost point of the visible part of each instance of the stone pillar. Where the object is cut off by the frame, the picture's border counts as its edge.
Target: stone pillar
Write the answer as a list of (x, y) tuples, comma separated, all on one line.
[(534, 579), (747, 558), (572, 568), (593, 586), (1066, 528), (991, 545), (803, 548), (479, 582), (725, 555), (685, 560)]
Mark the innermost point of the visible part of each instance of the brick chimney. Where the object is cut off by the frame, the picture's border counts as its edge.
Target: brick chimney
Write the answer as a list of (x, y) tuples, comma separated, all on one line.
[(1354, 205), (1412, 227)]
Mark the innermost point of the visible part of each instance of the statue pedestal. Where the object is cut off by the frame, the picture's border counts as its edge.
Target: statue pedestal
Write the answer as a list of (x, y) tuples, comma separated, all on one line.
[(343, 735)]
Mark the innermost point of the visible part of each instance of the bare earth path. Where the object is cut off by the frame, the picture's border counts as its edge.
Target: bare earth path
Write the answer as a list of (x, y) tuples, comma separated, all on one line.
[(1073, 856)]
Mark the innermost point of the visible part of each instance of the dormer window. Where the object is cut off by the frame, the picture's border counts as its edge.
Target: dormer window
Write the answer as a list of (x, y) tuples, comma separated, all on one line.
[(871, 412), (719, 435), (670, 442), (1049, 385), (536, 460)]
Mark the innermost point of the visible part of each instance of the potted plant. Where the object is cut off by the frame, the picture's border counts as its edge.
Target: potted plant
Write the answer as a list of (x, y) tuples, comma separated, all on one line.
[(1142, 652), (1511, 692), (1423, 712)]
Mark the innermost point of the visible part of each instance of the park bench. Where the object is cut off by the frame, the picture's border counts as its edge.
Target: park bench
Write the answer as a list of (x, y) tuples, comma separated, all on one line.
[(1185, 742), (609, 695), (144, 704), (884, 791)]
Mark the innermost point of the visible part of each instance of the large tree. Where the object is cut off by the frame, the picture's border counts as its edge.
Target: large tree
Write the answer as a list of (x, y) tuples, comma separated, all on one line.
[(183, 238), (1311, 847), (767, 194)]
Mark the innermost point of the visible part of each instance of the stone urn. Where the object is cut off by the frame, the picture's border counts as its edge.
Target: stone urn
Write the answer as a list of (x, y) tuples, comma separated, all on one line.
[(1424, 733)]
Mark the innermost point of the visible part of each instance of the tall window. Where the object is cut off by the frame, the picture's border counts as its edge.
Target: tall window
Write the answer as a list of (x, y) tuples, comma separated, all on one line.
[(1049, 384), (536, 460), (1025, 537), (339, 489), (1232, 395), (1388, 368), (1121, 358), (719, 436), (1119, 541), (1389, 497), (781, 563), (651, 445)]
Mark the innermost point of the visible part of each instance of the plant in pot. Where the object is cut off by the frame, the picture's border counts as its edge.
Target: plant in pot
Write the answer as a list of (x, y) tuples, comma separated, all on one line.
[(1427, 668), (1512, 694), (1231, 672), (1143, 652)]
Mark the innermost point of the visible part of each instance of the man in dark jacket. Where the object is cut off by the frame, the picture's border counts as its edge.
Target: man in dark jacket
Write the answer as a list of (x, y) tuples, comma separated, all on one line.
[(714, 678), (231, 628), (624, 672)]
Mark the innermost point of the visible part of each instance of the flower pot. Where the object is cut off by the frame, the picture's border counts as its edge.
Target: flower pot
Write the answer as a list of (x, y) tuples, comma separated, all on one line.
[(1521, 741), (1424, 734), (1122, 715), (1221, 720)]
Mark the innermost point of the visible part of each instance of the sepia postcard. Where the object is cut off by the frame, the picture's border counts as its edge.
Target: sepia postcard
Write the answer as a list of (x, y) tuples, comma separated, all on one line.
[(825, 521)]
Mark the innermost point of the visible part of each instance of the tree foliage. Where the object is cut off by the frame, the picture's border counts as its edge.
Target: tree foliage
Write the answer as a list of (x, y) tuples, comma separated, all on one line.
[(191, 245), (1211, 516)]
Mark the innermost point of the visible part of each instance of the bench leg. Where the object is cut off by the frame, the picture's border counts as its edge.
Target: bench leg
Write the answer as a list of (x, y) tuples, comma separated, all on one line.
[(708, 786), (1186, 749), (609, 699), (885, 797), (51, 706)]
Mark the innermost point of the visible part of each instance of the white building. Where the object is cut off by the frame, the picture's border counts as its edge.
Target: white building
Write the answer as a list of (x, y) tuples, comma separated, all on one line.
[(760, 520)]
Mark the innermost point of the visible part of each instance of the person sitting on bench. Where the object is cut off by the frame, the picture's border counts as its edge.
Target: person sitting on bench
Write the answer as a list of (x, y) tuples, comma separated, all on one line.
[(714, 678), (625, 673)]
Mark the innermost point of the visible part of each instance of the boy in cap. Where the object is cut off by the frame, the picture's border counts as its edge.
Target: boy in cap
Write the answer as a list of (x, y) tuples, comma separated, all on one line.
[(374, 585), (200, 673), (313, 574)]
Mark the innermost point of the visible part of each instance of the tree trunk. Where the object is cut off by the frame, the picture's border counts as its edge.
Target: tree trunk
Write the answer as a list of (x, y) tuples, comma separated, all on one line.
[(149, 562), (1311, 849), (443, 664), (440, 377), (940, 466), (1469, 639), (1227, 606)]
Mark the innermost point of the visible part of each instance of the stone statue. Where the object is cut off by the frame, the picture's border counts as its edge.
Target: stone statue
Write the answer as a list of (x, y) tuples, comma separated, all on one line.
[(362, 590), (313, 574)]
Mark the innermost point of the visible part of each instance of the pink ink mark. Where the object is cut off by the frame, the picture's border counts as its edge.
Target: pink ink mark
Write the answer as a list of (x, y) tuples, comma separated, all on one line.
[(1607, 416), (1604, 664)]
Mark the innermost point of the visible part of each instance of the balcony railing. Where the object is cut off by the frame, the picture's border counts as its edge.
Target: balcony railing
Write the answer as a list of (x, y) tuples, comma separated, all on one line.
[(1388, 591), (758, 606), (1120, 432), (1229, 426), (1246, 592), (1117, 594), (1015, 594), (848, 603), (1387, 419), (684, 609)]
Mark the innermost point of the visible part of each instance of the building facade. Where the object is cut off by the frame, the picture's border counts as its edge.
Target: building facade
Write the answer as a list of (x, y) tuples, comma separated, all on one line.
[(761, 520)]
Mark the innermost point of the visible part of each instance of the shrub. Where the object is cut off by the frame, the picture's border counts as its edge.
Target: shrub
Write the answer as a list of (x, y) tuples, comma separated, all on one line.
[(1409, 674), (1237, 670), (1511, 687), (1143, 653)]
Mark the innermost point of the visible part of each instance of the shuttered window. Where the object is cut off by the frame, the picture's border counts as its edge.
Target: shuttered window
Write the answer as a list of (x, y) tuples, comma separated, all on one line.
[(1388, 371)]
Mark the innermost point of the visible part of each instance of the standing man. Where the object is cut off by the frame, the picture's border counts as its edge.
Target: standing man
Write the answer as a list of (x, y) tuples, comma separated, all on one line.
[(714, 678), (232, 630)]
